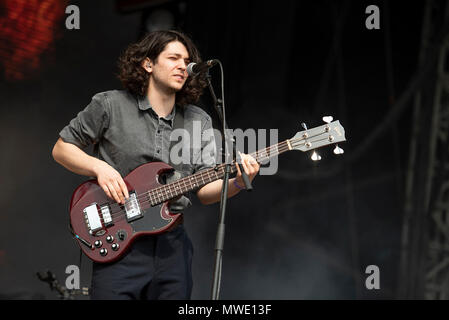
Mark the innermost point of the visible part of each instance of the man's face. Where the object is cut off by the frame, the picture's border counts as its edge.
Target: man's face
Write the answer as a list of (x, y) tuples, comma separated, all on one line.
[(169, 70)]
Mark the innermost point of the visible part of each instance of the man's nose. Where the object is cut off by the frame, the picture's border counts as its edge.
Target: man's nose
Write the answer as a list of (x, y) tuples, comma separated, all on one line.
[(182, 65)]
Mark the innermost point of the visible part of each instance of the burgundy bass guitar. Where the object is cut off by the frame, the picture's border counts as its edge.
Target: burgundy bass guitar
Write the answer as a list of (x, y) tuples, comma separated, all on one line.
[(105, 229)]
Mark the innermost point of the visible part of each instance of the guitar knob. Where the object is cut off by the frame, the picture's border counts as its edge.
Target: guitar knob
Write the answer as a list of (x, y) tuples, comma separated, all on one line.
[(121, 235), (115, 246), (109, 239), (103, 252), (98, 243)]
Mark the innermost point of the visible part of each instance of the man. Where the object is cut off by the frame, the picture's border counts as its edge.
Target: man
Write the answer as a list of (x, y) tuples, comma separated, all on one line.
[(132, 127)]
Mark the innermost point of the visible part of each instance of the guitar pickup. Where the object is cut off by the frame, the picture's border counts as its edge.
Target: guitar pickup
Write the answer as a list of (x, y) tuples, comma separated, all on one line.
[(132, 208), (106, 214)]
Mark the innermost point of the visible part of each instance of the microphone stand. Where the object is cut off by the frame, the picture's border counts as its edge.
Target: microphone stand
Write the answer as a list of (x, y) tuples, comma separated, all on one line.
[(219, 242)]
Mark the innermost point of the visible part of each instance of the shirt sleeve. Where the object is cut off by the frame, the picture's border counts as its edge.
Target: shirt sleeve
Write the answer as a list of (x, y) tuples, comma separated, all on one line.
[(207, 158), (89, 125)]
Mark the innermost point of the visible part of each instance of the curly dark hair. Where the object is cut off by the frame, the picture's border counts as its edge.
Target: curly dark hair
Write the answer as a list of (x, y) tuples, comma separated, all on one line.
[(134, 77)]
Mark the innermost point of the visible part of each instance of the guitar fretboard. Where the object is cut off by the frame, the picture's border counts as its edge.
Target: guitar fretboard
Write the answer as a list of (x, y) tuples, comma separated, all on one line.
[(203, 177)]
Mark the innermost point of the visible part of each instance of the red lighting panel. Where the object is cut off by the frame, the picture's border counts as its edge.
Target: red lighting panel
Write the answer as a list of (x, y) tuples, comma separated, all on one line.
[(27, 30)]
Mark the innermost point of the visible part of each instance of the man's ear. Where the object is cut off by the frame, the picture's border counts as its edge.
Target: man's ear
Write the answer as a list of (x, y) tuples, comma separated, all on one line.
[(147, 65)]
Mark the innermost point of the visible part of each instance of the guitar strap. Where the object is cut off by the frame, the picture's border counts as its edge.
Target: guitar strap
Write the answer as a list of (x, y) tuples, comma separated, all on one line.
[(184, 202), (178, 123)]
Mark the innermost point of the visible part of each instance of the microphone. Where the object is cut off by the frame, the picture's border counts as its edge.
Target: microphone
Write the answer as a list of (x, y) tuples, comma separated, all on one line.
[(194, 69)]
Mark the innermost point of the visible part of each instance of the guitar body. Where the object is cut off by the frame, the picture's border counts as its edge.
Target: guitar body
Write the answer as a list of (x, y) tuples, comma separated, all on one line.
[(104, 229)]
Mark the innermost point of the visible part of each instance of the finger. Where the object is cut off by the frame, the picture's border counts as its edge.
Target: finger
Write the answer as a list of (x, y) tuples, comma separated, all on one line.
[(119, 191), (114, 193), (251, 169), (243, 161), (242, 156), (245, 166), (124, 188), (106, 190), (254, 164), (238, 169), (252, 161)]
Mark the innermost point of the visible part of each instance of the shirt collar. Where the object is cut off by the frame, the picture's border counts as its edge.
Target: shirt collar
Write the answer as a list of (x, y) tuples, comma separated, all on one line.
[(144, 104)]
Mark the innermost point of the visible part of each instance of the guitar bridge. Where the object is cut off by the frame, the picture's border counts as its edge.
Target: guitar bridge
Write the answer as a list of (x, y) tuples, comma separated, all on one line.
[(92, 218)]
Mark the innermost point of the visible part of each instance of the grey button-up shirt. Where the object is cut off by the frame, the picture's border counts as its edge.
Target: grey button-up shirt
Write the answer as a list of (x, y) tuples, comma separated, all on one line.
[(126, 133)]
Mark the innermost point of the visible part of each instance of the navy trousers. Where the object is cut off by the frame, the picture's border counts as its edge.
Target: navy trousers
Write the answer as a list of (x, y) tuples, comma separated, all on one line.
[(155, 268)]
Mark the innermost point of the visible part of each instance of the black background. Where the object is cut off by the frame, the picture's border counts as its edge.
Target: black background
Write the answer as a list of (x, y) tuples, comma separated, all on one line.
[(308, 232)]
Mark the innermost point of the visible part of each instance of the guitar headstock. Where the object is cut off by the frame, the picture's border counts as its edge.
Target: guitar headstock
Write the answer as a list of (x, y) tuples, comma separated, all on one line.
[(310, 139)]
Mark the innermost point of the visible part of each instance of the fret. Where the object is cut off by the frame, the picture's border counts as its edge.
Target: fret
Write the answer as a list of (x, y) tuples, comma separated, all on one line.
[(218, 173), (152, 197), (168, 190), (172, 187), (181, 186), (197, 184), (202, 178), (169, 193), (177, 188), (153, 200), (191, 183), (209, 179), (160, 196), (186, 185), (149, 196), (197, 180)]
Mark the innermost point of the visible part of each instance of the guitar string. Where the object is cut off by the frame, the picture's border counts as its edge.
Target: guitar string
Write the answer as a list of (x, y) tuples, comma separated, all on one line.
[(278, 148), (200, 176), (116, 214), (268, 151), (160, 200), (117, 217), (121, 215)]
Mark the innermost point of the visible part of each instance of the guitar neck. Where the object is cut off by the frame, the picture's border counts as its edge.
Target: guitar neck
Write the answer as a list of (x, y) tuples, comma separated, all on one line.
[(203, 177)]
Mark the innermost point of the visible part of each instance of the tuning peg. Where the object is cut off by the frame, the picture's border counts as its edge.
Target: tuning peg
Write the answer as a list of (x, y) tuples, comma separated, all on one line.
[(328, 119), (315, 156), (304, 126), (338, 150)]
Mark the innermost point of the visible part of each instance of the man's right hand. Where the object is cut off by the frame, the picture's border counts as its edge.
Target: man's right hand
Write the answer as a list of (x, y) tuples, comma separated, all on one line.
[(76, 160), (111, 182)]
